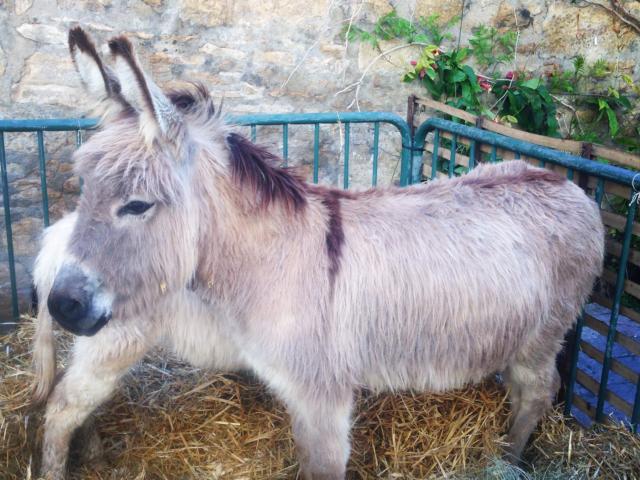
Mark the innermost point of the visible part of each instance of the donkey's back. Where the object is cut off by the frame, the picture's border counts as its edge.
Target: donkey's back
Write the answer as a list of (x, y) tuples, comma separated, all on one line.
[(470, 276)]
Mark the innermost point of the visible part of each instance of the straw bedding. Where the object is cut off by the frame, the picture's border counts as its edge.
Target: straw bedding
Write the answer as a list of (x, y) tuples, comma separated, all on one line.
[(172, 421)]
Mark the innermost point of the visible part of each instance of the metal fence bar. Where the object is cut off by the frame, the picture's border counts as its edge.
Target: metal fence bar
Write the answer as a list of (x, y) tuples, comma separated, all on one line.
[(8, 230), (337, 118), (452, 155), (79, 141), (434, 156), (615, 310), (606, 171), (575, 353), (347, 141), (376, 141), (599, 192), (285, 143), (472, 154), (635, 415), (316, 151), (573, 371), (43, 177), (411, 162), (48, 125)]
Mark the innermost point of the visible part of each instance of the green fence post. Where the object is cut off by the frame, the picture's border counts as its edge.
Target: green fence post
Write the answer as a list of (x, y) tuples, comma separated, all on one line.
[(8, 231)]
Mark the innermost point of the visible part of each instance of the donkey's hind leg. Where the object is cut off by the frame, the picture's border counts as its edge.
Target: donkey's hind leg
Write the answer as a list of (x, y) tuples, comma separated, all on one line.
[(533, 389), (96, 366)]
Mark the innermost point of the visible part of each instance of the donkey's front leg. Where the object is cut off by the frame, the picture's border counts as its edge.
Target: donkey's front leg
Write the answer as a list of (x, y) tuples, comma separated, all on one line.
[(97, 364), (321, 425)]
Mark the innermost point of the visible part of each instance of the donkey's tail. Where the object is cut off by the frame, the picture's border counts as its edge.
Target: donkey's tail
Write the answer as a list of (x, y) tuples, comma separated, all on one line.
[(52, 255), (44, 357)]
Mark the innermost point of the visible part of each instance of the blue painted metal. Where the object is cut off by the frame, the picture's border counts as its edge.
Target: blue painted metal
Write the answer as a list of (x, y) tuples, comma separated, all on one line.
[(452, 155), (376, 142), (410, 172), (347, 142), (568, 398), (8, 230), (635, 415), (285, 143), (434, 156), (316, 151), (42, 162), (608, 172), (48, 125), (472, 154), (338, 118), (615, 310)]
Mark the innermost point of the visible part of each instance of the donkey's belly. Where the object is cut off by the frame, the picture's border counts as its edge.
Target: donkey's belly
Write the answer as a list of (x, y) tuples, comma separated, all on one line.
[(437, 356)]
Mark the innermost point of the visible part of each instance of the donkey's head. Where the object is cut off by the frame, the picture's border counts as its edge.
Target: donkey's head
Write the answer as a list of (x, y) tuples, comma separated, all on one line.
[(136, 234)]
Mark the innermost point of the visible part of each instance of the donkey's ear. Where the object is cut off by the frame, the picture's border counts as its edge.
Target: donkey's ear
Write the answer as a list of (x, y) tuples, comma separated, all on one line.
[(140, 91), (99, 81)]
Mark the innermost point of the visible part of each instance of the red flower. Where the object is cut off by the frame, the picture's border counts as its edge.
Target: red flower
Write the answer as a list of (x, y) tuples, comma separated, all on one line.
[(510, 75), (422, 73), (485, 85), (414, 63)]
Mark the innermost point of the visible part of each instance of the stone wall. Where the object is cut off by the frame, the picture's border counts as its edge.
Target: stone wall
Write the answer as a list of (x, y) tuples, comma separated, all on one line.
[(270, 56)]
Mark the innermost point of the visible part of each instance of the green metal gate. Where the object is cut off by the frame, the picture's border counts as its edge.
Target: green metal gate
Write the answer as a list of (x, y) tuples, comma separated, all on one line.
[(452, 149)]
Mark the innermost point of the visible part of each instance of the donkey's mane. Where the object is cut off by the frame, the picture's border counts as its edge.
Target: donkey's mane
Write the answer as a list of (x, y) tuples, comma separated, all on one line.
[(255, 167)]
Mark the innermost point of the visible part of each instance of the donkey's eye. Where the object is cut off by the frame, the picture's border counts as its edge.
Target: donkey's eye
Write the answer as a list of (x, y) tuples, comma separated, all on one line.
[(135, 207)]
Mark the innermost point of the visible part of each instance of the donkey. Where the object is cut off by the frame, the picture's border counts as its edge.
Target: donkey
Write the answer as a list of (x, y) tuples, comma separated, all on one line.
[(98, 362), (322, 291)]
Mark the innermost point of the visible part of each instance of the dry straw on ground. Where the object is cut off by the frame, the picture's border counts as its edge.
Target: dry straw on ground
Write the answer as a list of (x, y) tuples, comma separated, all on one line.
[(171, 421)]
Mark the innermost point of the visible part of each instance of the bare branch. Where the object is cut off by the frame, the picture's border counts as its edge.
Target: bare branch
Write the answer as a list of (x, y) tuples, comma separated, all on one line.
[(358, 84), (617, 10)]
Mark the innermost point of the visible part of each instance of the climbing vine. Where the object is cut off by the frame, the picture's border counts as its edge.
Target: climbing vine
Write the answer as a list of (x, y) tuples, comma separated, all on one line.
[(479, 78)]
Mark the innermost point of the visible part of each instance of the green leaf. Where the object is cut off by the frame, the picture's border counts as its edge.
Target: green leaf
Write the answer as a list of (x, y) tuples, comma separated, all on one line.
[(459, 76), (613, 122), (461, 55), (471, 75), (466, 91), (627, 79), (532, 83), (624, 101), (409, 76)]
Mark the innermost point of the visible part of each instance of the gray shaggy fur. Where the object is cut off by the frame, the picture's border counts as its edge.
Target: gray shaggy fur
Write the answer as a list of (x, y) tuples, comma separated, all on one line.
[(432, 286)]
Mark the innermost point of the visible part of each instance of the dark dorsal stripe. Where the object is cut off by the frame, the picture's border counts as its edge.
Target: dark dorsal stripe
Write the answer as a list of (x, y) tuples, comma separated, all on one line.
[(335, 233), (256, 168)]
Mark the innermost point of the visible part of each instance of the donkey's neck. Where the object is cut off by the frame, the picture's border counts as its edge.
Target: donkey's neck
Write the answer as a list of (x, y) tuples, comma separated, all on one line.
[(248, 248)]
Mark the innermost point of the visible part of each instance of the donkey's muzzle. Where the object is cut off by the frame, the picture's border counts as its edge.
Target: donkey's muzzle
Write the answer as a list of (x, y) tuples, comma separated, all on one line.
[(70, 303)]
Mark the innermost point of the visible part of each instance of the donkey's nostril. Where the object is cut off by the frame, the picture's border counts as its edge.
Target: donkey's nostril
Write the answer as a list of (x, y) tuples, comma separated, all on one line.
[(70, 307), (66, 309)]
